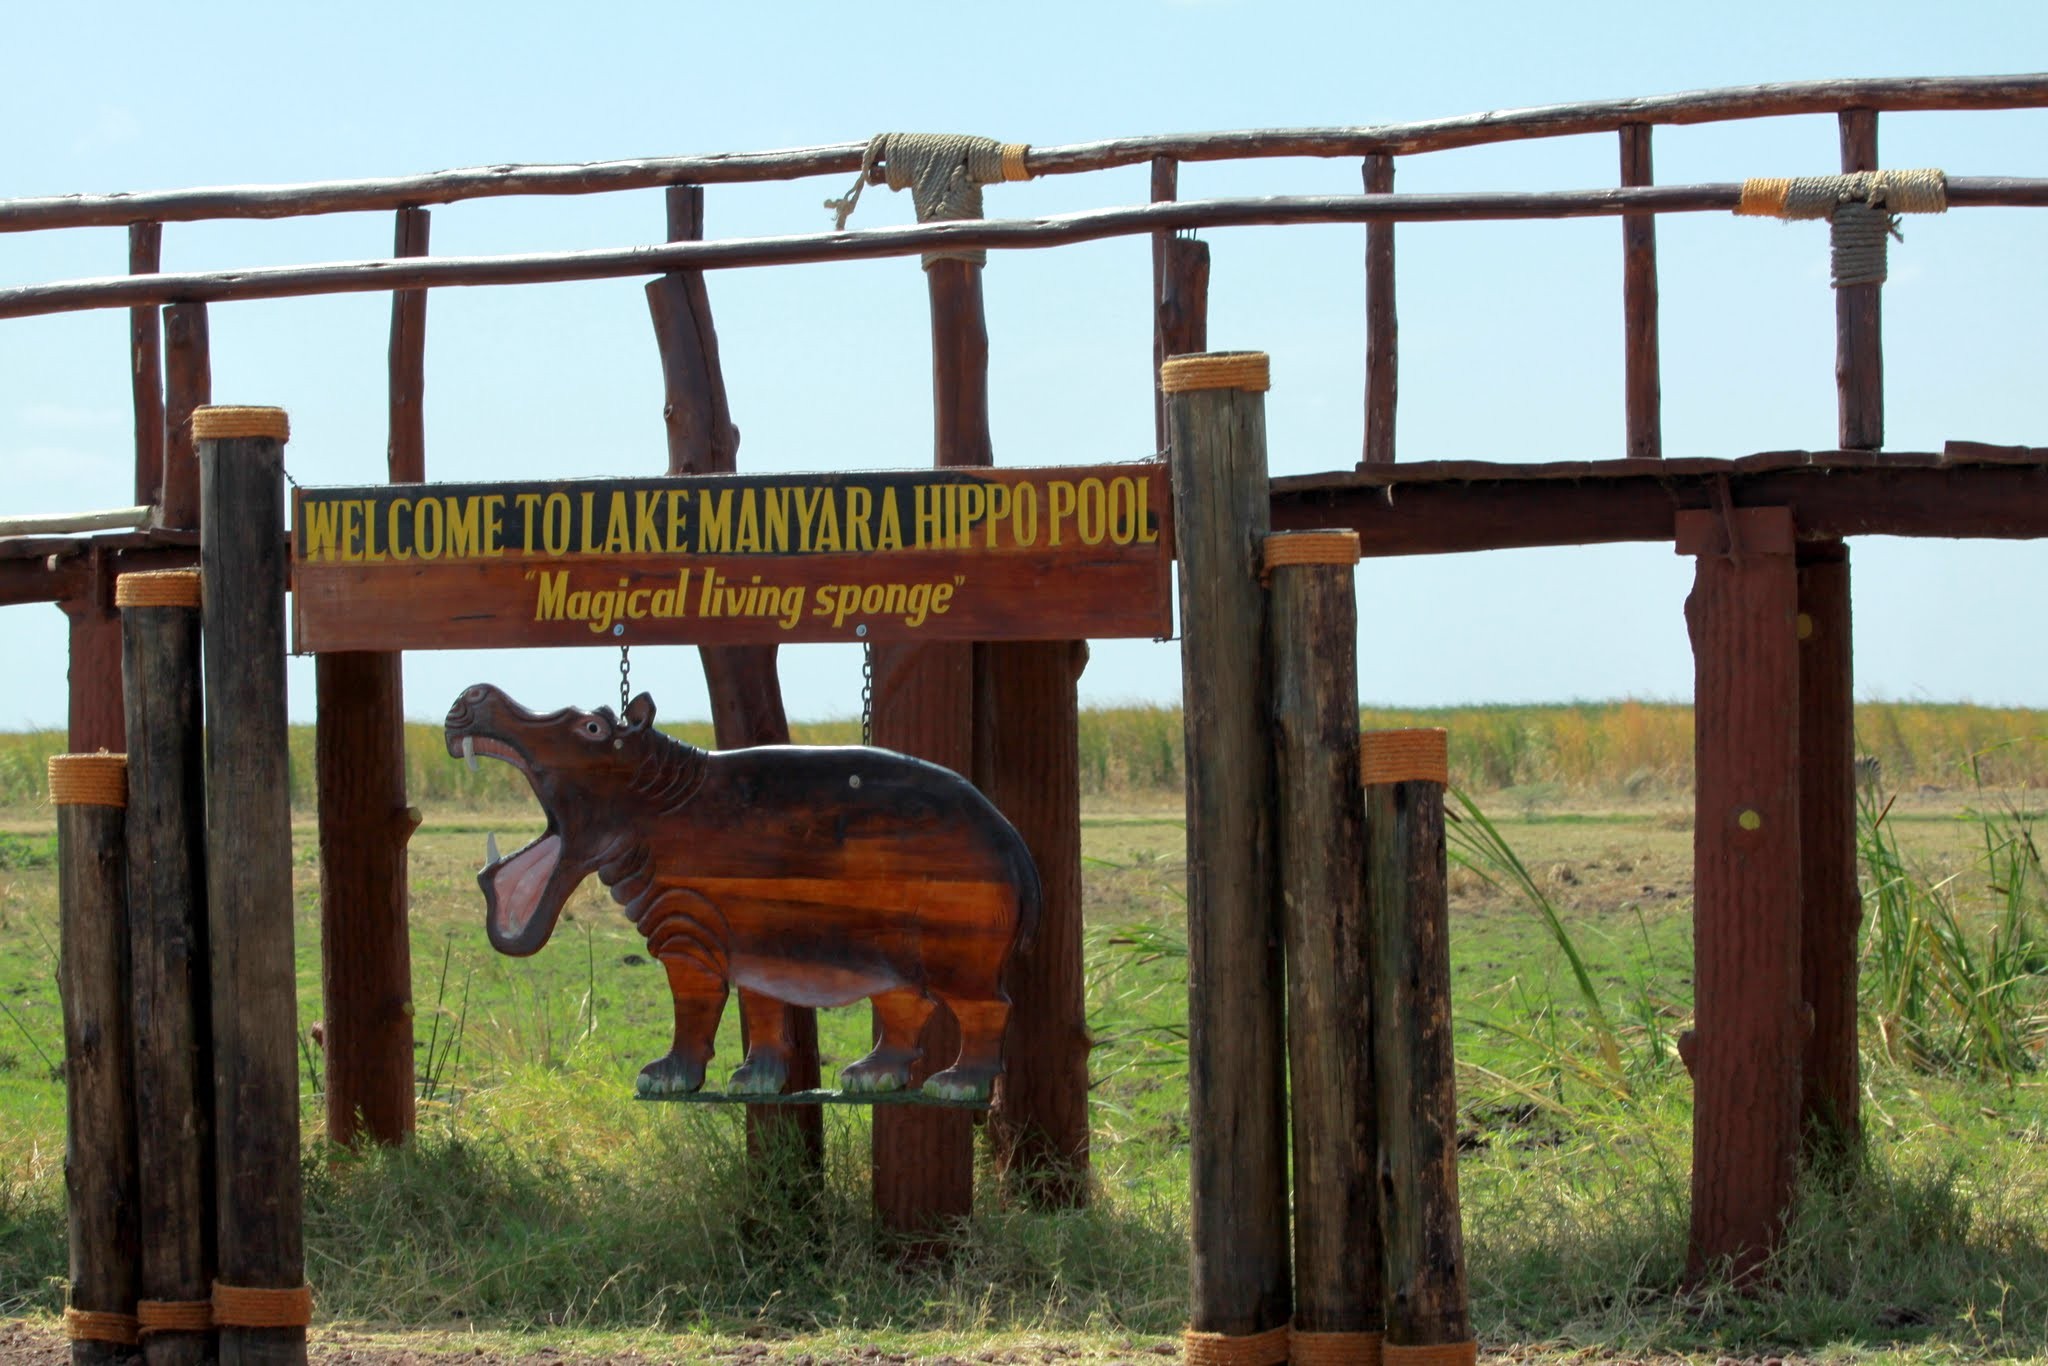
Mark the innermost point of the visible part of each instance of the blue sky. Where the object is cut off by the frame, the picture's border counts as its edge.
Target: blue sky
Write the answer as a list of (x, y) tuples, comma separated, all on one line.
[(1510, 334)]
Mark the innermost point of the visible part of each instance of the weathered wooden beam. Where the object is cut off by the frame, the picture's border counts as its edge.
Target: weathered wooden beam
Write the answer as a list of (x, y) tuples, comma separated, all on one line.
[(1606, 502), (90, 793), (1641, 385), (1165, 187), (1028, 762), (1236, 1028), (94, 718), (1559, 120), (249, 884), (406, 451), (1184, 302), (346, 277), (1321, 844), (365, 938), (1382, 329), (1409, 930), (188, 386), (1831, 904), (1859, 325), (168, 952), (146, 365), (1749, 1038), (746, 693)]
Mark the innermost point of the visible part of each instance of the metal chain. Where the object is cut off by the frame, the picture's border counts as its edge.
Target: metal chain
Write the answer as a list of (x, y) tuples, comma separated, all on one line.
[(625, 676), (867, 694)]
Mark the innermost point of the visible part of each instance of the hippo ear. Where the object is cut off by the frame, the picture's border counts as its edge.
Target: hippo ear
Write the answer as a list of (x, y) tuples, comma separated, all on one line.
[(640, 711)]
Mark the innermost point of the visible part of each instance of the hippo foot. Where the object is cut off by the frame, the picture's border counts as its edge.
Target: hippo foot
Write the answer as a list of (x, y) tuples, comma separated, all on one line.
[(881, 1070), (961, 1083), (674, 1075), (762, 1074)]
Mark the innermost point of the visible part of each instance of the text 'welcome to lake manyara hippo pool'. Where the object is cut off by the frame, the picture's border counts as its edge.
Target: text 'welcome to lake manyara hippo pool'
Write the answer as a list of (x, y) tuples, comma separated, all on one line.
[(808, 875)]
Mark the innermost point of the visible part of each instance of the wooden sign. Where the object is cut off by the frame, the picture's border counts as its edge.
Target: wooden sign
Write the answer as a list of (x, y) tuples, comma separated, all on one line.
[(950, 554), (811, 875)]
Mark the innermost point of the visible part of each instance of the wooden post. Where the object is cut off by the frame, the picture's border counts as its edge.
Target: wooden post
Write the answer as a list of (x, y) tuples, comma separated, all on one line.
[(1644, 399), (1165, 187), (1028, 762), (746, 694), (365, 944), (89, 792), (1832, 906), (366, 821), (1337, 1287), (406, 453), (1382, 331), (1746, 1048), (188, 385), (260, 1300), (1859, 319), (1404, 772), (1183, 319), (169, 956), (94, 720), (1236, 1035), (924, 705), (146, 364)]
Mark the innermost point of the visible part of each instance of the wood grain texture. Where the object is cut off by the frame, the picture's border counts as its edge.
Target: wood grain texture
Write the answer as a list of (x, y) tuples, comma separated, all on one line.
[(188, 384), (1165, 187), (146, 365), (168, 951), (99, 1144), (94, 711), (348, 277), (1027, 759), (746, 692), (365, 943), (1414, 508), (249, 887), (1414, 1071), (1382, 327), (1236, 998), (1831, 903), (1859, 315), (406, 451), (1749, 1038), (1337, 1273), (1184, 303), (1641, 386), (1468, 130)]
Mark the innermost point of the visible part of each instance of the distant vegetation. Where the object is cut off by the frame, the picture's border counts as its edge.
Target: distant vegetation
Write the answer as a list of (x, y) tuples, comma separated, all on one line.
[(1633, 749)]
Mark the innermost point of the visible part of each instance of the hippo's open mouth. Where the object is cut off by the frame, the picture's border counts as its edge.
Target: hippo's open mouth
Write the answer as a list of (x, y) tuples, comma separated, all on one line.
[(519, 913)]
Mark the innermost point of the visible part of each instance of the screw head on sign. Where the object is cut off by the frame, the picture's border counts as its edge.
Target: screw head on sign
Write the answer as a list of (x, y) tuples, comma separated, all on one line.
[(861, 629), (619, 629), (1750, 820)]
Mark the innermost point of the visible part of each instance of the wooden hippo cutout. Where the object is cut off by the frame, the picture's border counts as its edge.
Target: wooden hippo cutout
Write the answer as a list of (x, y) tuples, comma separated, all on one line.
[(808, 875)]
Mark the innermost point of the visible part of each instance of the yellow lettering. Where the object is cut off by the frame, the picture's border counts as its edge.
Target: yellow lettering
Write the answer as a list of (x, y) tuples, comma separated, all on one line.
[(589, 546), (463, 516), (675, 522), (529, 506), (391, 532), (1093, 509), (494, 522), (746, 538), (370, 552), (859, 504), (615, 525), (646, 531), (714, 523), (775, 519), (999, 500), (931, 517), (891, 537), (322, 525), (1024, 515), (554, 596), (555, 518), (1062, 498), (351, 529)]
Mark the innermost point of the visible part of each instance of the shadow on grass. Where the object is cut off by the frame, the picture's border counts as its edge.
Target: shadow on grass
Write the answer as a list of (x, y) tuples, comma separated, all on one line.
[(667, 1230)]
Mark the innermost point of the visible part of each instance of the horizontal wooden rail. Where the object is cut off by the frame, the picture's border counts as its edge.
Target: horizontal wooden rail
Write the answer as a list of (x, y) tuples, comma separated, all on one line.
[(64, 523), (348, 277), (1469, 130)]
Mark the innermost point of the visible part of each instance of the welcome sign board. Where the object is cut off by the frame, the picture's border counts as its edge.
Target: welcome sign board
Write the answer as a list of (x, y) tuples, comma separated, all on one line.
[(945, 554)]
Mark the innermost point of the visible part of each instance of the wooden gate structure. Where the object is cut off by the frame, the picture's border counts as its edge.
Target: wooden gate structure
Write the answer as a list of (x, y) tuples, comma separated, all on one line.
[(1773, 1055)]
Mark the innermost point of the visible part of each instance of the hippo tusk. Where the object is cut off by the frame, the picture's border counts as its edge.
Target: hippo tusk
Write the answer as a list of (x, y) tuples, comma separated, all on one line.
[(490, 848), (469, 756)]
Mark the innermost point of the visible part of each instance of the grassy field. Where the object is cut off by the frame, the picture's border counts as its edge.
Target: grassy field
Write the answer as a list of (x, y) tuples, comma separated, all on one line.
[(544, 1208)]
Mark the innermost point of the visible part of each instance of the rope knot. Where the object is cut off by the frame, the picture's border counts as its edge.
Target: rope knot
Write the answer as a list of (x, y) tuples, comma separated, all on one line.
[(944, 173), (1862, 210)]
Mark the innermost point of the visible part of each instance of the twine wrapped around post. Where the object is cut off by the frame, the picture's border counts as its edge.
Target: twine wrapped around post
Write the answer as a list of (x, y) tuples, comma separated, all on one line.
[(1861, 207), (944, 173), (1228, 1349), (1335, 1349), (87, 1325), (248, 1306), (173, 1316)]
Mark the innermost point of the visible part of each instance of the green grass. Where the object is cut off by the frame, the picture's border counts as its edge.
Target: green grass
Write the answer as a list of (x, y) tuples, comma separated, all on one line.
[(541, 1199)]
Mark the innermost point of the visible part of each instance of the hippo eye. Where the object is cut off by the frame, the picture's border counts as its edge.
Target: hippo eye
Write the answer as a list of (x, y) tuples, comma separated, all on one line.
[(593, 728)]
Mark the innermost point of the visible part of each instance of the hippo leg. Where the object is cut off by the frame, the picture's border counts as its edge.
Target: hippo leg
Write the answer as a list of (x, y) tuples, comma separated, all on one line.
[(767, 1065), (700, 1000), (901, 1014), (981, 1051)]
